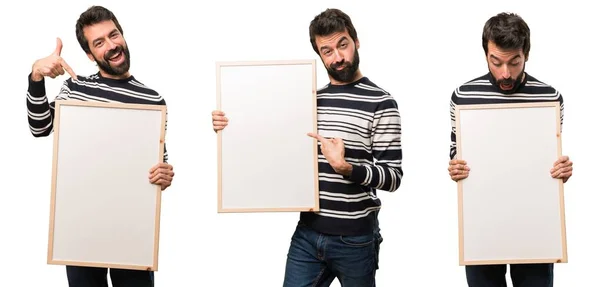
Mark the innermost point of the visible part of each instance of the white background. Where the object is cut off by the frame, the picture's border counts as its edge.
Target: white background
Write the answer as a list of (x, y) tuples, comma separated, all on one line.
[(419, 51)]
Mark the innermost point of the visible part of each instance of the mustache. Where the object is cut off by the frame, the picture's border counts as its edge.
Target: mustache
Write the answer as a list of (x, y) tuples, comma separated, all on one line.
[(340, 64), (508, 81), (113, 52)]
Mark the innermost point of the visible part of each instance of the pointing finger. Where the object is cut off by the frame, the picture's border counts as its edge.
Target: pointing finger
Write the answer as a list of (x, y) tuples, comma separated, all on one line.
[(68, 69), (316, 136)]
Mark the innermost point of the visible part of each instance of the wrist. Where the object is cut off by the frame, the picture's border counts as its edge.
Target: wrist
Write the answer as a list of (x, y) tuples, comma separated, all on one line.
[(36, 77), (342, 167)]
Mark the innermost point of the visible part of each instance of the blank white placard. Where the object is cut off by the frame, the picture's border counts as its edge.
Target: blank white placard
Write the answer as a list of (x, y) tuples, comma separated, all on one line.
[(104, 211), (510, 208), (266, 161)]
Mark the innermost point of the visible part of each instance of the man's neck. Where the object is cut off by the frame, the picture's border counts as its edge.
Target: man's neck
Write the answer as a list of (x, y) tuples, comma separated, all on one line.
[(115, 77)]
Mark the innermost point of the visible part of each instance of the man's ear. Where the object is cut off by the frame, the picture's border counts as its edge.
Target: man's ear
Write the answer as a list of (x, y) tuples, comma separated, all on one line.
[(357, 43), (91, 57)]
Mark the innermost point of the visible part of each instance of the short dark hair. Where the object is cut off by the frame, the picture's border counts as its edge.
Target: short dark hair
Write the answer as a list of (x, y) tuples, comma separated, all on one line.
[(91, 16), (507, 31), (328, 22)]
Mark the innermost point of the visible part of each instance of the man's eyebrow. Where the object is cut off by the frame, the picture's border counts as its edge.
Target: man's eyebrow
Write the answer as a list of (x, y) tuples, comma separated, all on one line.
[(344, 38), (497, 59)]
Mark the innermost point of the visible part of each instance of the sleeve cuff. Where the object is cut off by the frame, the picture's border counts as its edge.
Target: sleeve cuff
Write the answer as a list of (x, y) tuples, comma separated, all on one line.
[(358, 175), (36, 89)]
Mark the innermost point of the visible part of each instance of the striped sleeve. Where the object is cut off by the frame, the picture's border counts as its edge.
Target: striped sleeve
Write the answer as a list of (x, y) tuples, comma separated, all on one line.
[(453, 126), (562, 110), (165, 153), (386, 173), (40, 112)]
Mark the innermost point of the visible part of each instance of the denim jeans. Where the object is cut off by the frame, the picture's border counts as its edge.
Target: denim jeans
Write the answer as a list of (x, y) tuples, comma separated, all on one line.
[(96, 277), (522, 275), (316, 259)]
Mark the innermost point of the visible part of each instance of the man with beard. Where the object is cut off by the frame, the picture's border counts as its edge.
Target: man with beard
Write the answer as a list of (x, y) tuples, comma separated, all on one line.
[(101, 37), (359, 133), (506, 45)]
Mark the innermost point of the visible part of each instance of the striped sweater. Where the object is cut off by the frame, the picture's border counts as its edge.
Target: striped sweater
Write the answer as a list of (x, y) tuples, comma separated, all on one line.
[(482, 91), (93, 88), (367, 119)]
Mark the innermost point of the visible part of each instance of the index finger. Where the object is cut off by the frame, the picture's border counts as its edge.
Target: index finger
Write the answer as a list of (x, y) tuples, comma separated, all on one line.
[(68, 69), (316, 136)]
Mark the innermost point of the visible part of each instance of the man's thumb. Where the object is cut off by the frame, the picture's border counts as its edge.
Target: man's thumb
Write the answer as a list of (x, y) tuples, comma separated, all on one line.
[(58, 47)]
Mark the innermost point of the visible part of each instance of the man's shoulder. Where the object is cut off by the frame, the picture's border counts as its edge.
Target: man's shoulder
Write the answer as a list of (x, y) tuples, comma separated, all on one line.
[(137, 83), (368, 83), (535, 86), (482, 81), (475, 86)]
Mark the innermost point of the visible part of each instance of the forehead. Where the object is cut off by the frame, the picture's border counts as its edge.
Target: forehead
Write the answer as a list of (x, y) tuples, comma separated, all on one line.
[(100, 29), (331, 39), (503, 54)]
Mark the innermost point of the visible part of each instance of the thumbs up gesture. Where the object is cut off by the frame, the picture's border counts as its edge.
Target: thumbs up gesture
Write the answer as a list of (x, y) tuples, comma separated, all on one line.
[(51, 66)]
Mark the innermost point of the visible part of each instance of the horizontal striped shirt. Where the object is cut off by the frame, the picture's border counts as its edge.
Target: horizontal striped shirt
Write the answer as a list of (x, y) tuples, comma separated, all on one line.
[(366, 117), (94, 88), (482, 91)]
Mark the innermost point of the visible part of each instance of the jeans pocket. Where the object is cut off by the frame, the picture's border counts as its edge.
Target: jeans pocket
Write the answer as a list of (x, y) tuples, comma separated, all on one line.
[(378, 237), (357, 240)]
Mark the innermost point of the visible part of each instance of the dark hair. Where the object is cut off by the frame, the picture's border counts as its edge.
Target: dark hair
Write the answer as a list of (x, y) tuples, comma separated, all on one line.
[(328, 22), (91, 16), (507, 31)]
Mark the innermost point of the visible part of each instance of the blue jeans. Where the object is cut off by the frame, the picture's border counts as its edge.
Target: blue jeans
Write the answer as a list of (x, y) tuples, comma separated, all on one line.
[(316, 259), (522, 275), (96, 277)]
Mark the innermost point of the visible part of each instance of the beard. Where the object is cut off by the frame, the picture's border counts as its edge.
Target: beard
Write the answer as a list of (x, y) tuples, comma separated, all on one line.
[(516, 83), (119, 70), (347, 73)]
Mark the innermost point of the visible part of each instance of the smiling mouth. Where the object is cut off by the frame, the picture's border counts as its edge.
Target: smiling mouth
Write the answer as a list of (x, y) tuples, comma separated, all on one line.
[(116, 57)]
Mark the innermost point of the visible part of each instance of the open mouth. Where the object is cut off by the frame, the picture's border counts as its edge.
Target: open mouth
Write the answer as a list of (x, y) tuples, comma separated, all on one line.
[(506, 86), (117, 58)]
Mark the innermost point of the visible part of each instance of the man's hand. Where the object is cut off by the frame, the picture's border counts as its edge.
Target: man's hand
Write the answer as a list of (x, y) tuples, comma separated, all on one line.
[(333, 150), (563, 168), (161, 174), (219, 120), (458, 169), (51, 66)]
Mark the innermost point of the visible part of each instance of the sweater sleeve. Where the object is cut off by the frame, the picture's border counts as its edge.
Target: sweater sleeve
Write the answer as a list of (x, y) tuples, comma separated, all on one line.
[(40, 112), (562, 110), (453, 150), (165, 153), (386, 172)]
